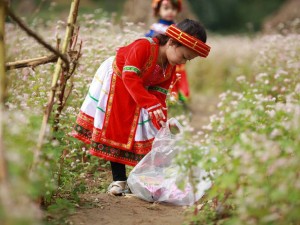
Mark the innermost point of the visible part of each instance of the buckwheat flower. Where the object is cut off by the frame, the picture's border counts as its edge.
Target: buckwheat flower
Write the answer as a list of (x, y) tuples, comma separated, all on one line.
[(212, 118), (200, 133), (275, 133), (207, 127), (220, 128), (55, 143), (234, 103), (271, 113), (261, 76), (241, 79), (235, 114), (223, 95), (297, 88)]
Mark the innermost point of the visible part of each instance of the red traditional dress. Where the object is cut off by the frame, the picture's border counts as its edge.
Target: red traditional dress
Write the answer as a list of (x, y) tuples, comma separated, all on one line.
[(114, 116)]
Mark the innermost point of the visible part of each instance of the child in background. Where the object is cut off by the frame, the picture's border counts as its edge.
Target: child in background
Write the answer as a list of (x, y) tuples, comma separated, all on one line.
[(126, 102), (166, 11)]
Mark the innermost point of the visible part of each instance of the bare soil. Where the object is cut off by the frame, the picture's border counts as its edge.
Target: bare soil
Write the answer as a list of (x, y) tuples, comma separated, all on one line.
[(116, 210)]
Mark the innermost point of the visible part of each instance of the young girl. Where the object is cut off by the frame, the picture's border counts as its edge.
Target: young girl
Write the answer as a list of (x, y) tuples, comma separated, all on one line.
[(126, 102), (166, 11)]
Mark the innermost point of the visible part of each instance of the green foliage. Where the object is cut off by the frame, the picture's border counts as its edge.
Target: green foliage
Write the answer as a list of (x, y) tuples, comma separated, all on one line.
[(254, 142)]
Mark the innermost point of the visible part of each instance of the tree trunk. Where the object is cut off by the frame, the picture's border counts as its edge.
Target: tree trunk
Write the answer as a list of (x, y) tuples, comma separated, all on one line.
[(3, 172)]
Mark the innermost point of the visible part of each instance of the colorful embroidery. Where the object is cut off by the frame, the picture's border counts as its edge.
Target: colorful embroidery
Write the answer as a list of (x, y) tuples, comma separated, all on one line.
[(159, 89), (96, 100), (107, 115), (131, 69), (116, 69), (108, 152), (82, 133)]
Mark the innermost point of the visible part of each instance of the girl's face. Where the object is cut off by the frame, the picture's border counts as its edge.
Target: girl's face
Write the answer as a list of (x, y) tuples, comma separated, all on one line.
[(177, 55), (167, 11)]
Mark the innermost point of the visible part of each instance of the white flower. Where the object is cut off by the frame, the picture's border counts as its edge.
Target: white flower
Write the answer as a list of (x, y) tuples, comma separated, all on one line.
[(275, 133), (241, 79)]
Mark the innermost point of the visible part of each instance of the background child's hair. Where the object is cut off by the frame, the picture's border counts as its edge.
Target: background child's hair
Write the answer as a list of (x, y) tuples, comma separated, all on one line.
[(157, 3), (188, 26)]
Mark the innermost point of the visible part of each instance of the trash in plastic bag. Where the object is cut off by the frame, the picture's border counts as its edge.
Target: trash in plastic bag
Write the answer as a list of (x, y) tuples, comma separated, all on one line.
[(154, 177)]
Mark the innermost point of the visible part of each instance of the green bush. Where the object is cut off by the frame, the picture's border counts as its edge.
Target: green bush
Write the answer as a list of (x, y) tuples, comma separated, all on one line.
[(254, 142)]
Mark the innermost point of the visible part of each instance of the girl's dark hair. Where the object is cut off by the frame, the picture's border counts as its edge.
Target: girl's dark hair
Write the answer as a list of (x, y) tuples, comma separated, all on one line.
[(174, 3), (188, 26)]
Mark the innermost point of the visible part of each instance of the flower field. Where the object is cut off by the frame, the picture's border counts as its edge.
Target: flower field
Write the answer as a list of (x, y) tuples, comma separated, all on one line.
[(251, 145)]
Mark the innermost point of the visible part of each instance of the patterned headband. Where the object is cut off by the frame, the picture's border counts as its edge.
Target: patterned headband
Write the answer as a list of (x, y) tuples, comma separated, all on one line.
[(189, 41)]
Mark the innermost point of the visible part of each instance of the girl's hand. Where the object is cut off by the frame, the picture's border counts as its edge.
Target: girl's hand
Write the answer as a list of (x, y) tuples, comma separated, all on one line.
[(158, 117), (158, 114)]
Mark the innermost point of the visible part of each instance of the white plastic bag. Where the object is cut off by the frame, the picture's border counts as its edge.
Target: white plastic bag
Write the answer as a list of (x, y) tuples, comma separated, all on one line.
[(154, 177)]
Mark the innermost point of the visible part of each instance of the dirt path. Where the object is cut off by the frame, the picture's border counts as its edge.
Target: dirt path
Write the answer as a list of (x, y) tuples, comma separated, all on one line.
[(126, 210)]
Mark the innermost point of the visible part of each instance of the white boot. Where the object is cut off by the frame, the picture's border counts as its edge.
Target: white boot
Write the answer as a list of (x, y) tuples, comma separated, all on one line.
[(116, 187)]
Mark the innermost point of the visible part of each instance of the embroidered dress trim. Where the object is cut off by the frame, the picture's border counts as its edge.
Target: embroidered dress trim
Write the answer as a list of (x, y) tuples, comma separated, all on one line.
[(101, 136), (159, 89), (115, 154), (116, 69), (131, 69), (83, 128)]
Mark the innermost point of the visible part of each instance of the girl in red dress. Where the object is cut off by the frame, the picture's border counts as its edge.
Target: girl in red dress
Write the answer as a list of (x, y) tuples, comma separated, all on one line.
[(126, 102)]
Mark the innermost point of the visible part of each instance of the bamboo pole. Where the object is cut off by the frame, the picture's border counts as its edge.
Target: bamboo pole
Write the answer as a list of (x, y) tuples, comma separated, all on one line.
[(31, 62), (58, 69), (3, 171)]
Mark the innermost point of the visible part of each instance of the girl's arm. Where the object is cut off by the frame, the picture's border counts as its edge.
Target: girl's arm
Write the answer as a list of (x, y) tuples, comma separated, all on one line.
[(132, 76)]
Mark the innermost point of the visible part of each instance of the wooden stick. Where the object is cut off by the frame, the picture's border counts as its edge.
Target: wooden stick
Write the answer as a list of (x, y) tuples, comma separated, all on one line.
[(69, 31), (37, 37), (3, 82), (31, 62), (62, 97)]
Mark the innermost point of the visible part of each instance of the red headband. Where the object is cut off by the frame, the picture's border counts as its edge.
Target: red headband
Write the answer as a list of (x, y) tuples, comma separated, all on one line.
[(189, 41)]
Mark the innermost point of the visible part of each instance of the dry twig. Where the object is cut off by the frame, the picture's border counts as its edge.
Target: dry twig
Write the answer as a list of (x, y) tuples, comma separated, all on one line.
[(37, 37), (31, 62)]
